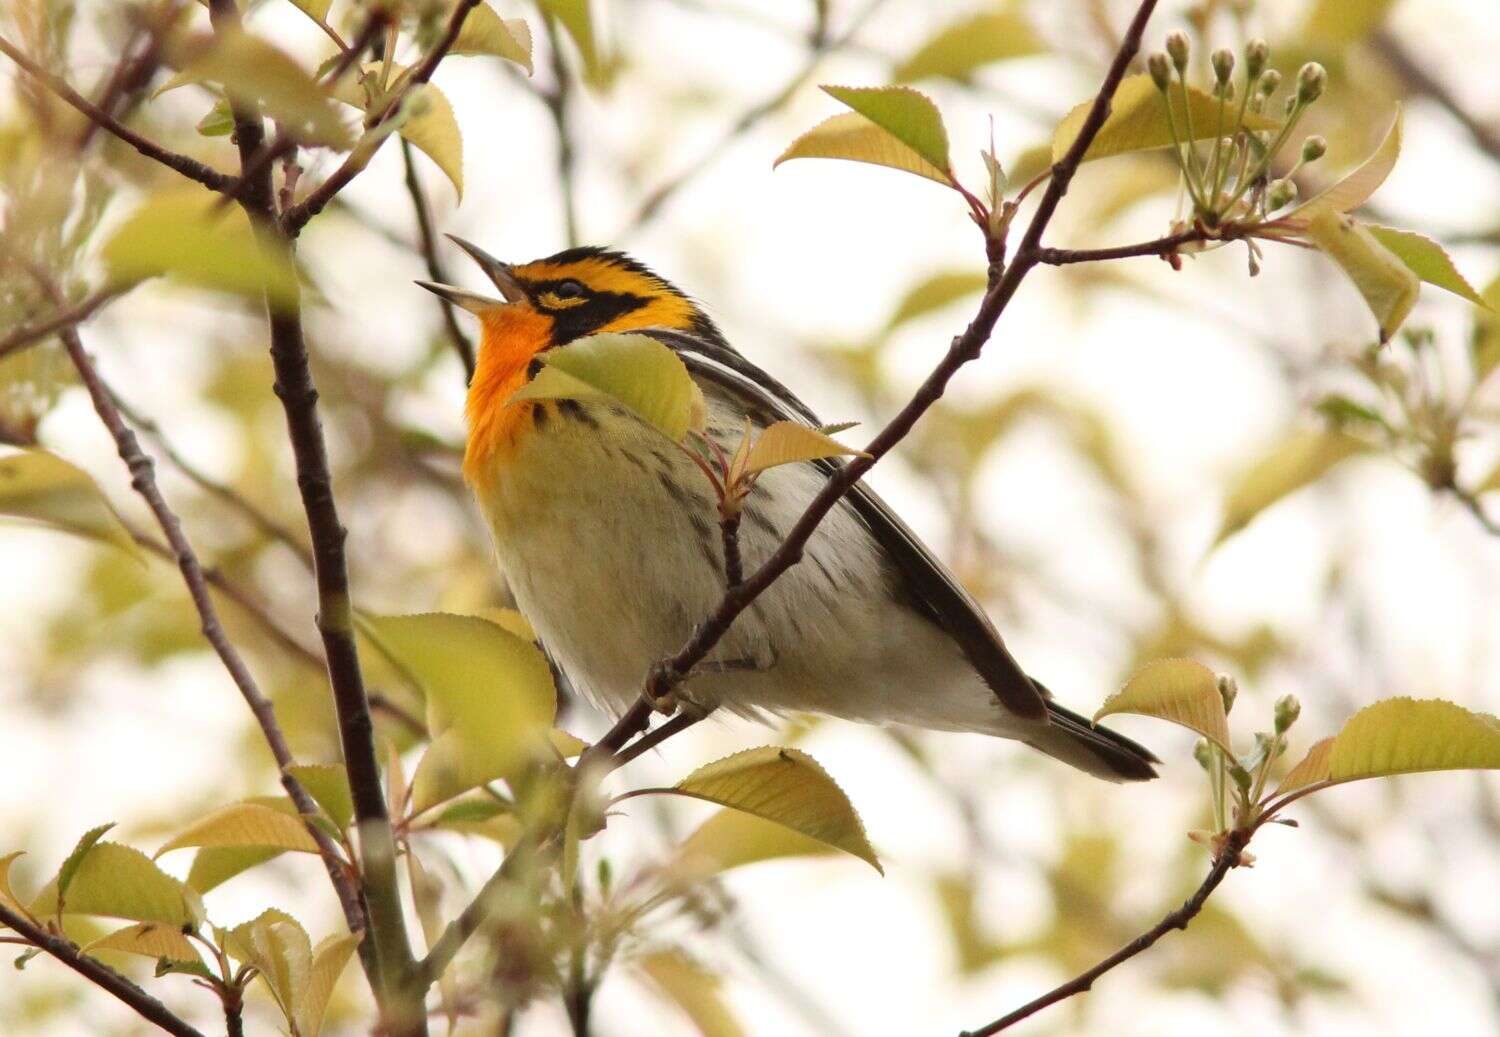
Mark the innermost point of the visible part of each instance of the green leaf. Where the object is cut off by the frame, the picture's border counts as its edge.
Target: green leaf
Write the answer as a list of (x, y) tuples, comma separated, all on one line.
[(786, 786), (732, 839), (490, 698), (904, 113), (577, 21), (934, 292), (1341, 22), (245, 824), (152, 939), (280, 949), (1428, 260), (789, 442), (317, 10), (328, 785), (121, 882), (187, 234), (1388, 285), (1355, 189), (1401, 736), (329, 958), (1138, 120), (215, 865), (971, 43), (1298, 460), (40, 487), (8, 895), (81, 850), (854, 138), (634, 370), (1180, 691), (485, 32), (425, 118), (1485, 347), (693, 989), (219, 122)]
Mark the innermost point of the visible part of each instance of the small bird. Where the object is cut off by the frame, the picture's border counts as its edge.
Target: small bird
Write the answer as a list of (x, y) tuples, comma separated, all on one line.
[(608, 537)]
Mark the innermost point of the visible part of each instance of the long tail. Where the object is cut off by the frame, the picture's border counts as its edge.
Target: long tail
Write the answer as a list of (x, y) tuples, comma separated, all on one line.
[(1099, 751)]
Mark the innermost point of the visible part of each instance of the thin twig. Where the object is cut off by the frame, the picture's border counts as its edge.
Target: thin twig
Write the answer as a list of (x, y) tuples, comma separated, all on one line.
[(556, 100), (429, 249), (98, 973), (1164, 246), (1419, 81), (188, 167), (1475, 508), (30, 334), (734, 567)]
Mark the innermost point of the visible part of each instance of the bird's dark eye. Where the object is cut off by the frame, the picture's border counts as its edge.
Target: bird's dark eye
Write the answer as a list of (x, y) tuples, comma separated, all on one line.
[(568, 290)]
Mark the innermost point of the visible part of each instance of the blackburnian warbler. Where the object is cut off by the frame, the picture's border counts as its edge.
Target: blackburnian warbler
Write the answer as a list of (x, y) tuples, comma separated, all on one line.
[(609, 538)]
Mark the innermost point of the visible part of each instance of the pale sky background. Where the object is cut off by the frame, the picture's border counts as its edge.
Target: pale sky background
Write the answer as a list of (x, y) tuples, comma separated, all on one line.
[(819, 252)]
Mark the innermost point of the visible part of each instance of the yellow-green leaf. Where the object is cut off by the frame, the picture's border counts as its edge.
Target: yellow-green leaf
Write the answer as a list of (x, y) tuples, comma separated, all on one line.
[(1341, 22), (8, 895), (789, 442), (236, 942), (1406, 736), (245, 824), (317, 10), (187, 234), (491, 690), (152, 939), (854, 138), (1310, 770), (971, 43), (215, 865), (328, 960), (1389, 286), (1180, 691), (36, 486), (1428, 260), (1301, 458), (1485, 348), (934, 292), (282, 952), (635, 370), (693, 989), (904, 113), (121, 882), (732, 839), (1138, 120), (328, 785), (577, 21), (485, 32), (1355, 189), (80, 850), (425, 118), (786, 786)]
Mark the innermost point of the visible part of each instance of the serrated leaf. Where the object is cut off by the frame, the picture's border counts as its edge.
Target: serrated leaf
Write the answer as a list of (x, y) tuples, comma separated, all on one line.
[(854, 138), (121, 882), (214, 865), (485, 32), (1181, 691), (283, 954), (1298, 460), (1355, 189), (1138, 120), (328, 785), (1428, 260), (1388, 285), (934, 292), (8, 895), (37, 486), (489, 693), (80, 850), (425, 118), (904, 113), (187, 234), (693, 989), (634, 370), (971, 43), (786, 786), (789, 442), (329, 958), (732, 839), (245, 824), (151, 939), (578, 22), (1310, 770), (219, 122)]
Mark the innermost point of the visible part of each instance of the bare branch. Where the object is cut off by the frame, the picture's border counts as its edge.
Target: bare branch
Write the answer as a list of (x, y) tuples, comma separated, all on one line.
[(1164, 246), (31, 334), (1419, 81), (556, 100), (429, 249)]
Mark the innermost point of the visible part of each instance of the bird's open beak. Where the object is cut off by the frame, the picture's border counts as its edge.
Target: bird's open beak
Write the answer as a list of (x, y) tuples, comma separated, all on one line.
[(498, 272)]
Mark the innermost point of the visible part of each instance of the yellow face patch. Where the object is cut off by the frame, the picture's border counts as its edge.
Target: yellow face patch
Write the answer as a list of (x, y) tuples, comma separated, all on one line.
[(663, 306)]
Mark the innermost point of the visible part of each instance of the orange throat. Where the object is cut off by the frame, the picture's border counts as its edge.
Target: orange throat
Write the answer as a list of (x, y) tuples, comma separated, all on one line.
[(513, 335)]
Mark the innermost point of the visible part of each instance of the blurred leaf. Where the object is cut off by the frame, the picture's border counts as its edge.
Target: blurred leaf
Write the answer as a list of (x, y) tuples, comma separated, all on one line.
[(1428, 260), (42, 487), (8, 895), (219, 122), (490, 697), (974, 948), (329, 958), (579, 23), (732, 839), (971, 43), (934, 292), (425, 118), (904, 113), (152, 939), (483, 817), (567, 745), (485, 32), (185, 233), (1181, 691), (1490, 482), (635, 370), (121, 882), (1486, 343), (317, 10), (786, 786), (1300, 459), (1341, 22), (328, 785), (1355, 189), (245, 824), (1389, 286), (215, 865), (1138, 120), (852, 137), (788, 442), (693, 989)]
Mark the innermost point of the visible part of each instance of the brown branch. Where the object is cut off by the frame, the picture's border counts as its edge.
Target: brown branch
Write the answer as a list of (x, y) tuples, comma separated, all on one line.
[(31, 334), (734, 566), (98, 973), (1164, 246), (1420, 81), (1228, 858), (556, 100), (188, 167), (429, 249)]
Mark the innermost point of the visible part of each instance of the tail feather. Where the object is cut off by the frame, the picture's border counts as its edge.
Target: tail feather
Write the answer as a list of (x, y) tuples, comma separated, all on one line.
[(1101, 752)]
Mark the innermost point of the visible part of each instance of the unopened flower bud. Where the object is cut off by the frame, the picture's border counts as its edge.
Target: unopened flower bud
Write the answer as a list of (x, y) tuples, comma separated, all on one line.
[(1159, 65), (1314, 148), (1283, 192), (1257, 53), (1229, 689), (1310, 82), (1291, 104), (1223, 63), (1204, 754), (1288, 709), (1270, 82), (1177, 48)]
